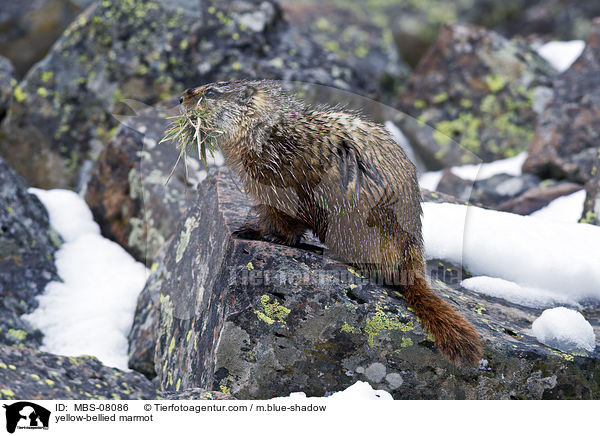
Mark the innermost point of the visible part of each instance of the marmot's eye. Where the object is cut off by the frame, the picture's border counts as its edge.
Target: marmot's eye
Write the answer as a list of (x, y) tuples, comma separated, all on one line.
[(210, 94)]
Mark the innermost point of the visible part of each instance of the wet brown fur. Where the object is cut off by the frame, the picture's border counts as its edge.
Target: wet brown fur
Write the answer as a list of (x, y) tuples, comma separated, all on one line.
[(342, 177)]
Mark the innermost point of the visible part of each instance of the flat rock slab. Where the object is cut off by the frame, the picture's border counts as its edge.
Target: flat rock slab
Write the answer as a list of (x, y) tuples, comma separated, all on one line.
[(259, 320), (31, 374)]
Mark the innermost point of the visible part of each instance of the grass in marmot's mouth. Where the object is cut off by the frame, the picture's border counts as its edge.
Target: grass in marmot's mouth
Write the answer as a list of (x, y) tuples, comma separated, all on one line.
[(191, 128)]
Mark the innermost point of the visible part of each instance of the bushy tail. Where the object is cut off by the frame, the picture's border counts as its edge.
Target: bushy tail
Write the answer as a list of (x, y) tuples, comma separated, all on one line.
[(454, 336)]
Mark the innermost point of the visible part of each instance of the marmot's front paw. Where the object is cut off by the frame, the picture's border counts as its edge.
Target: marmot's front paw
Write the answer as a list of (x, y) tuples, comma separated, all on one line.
[(248, 231)]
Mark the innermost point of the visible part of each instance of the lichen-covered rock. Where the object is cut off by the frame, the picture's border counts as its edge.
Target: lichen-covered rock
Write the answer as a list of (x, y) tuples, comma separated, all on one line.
[(415, 24), (258, 320), (127, 190), (357, 38), (147, 50), (27, 373), (470, 97), (142, 336), (591, 207), (7, 81), (28, 29), (567, 139), (195, 394), (559, 20), (27, 247)]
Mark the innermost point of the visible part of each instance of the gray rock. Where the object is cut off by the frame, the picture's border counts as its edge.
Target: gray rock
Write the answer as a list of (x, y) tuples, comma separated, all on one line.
[(591, 207), (455, 186), (538, 197), (29, 28), (7, 81), (551, 19), (27, 247), (566, 141), (491, 192), (259, 320), (128, 192), (147, 51), (27, 373), (470, 97), (195, 394), (356, 36), (142, 337)]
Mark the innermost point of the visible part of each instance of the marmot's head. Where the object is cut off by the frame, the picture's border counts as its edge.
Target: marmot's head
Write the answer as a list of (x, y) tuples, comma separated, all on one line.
[(215, 96), (239, 109), (228, 109)]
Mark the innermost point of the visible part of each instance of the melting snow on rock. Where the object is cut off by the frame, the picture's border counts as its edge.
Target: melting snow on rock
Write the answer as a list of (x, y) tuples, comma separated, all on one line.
[(90, 312), (564, 329)]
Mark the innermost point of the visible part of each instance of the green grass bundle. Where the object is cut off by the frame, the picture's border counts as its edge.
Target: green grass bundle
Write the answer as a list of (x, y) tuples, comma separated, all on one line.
[(191, 128)]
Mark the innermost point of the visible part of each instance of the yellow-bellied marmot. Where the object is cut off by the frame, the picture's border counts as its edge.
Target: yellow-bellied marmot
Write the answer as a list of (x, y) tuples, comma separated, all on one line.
[(338, 175)]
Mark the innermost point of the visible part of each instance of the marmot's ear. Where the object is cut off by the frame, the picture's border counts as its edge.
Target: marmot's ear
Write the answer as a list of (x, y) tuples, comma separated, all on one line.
[(246, 94)]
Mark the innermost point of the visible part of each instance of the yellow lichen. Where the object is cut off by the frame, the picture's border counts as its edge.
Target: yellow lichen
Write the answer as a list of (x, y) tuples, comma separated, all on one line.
[(272, 311), (347, 328), (380, 321)]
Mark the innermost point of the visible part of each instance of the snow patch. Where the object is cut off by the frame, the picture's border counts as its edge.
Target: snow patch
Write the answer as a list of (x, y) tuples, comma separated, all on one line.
[(91, 311), (561, 54), (511, 166), (512, 292), (566, 209), (69, 214), (358, 391), (430, 180), (398, 136), (564, 329), (561, 258)]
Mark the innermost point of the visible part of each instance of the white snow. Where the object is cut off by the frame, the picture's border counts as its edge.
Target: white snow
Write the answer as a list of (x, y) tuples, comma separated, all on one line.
[(398, 136), (561, 258), (512, 292), (358, 391), (511, 166), (561, 54), (564, 329), (567, 209), (430, 180), (91, 311), (69, 215)]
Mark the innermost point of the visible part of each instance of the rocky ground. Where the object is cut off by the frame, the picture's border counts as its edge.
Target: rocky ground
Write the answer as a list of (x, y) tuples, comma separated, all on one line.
[(86, 111)]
